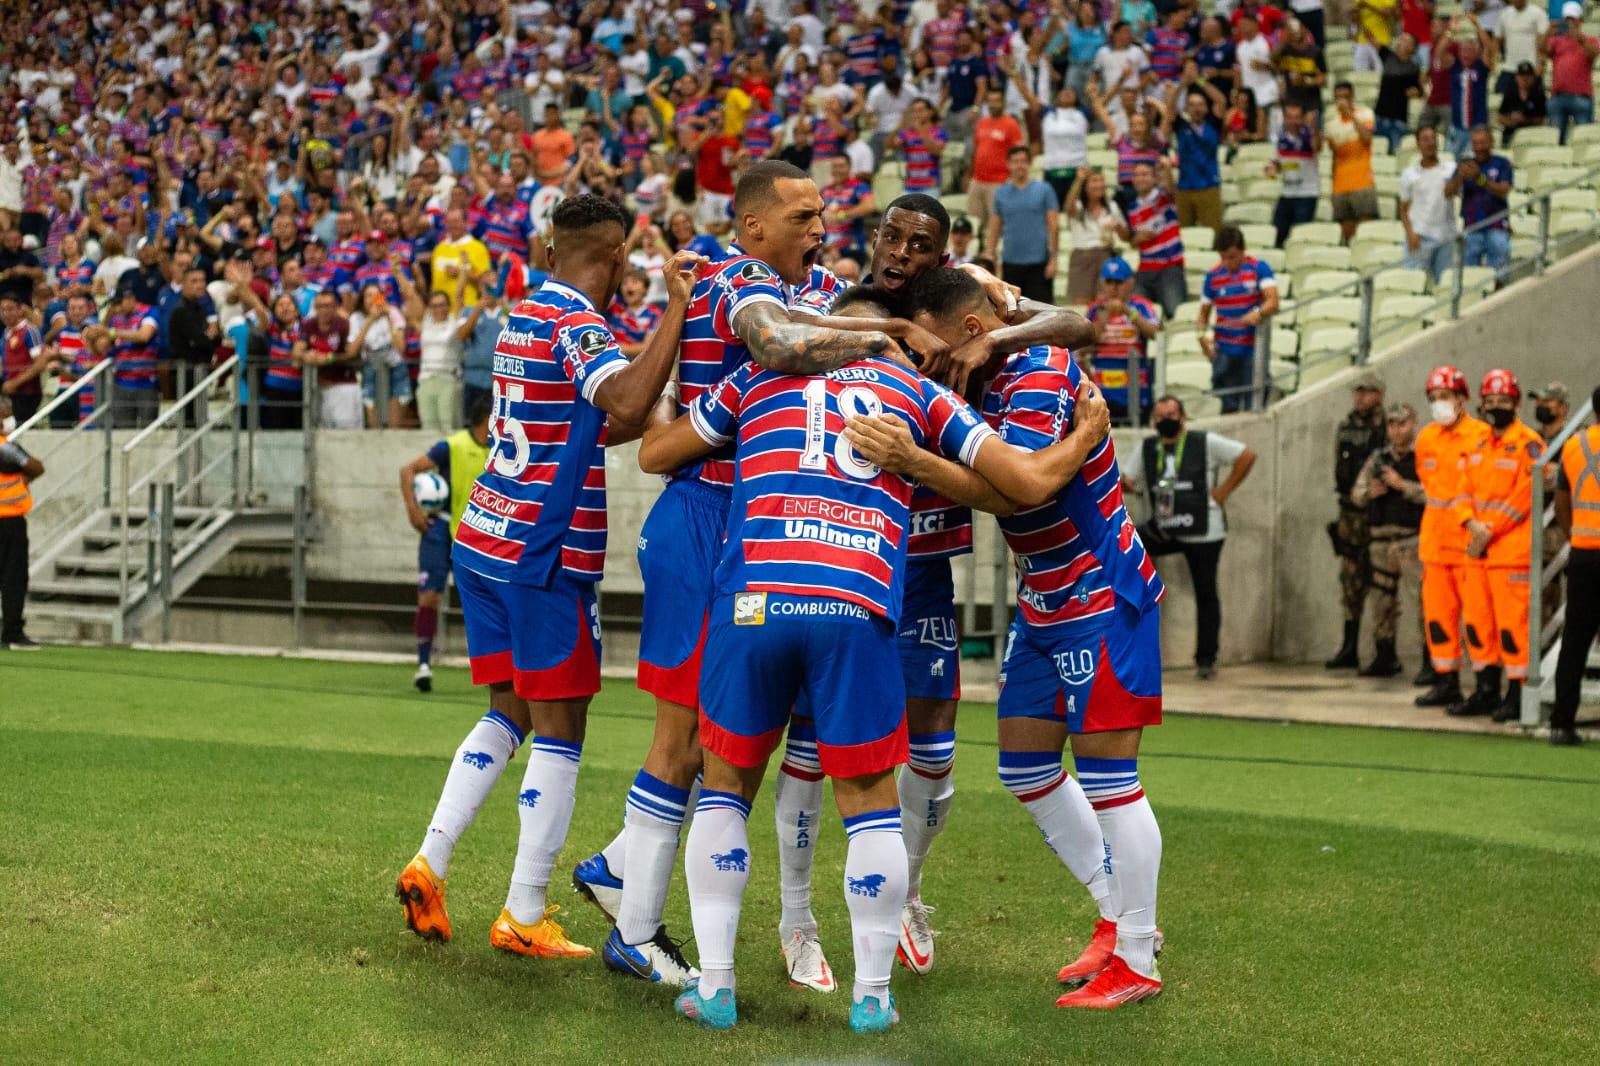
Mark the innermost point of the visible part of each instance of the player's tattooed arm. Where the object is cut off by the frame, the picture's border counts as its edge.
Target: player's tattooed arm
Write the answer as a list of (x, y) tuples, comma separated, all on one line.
[(913, 336), (672, 446), (780, 343), (1023, 478)]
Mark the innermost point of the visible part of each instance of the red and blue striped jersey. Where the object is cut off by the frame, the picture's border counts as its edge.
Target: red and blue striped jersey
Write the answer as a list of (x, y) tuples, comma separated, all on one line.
[(1119, 340), (1154, 222), (504, 227), (74, 277), (540, 504), (827, 139), (135, 360), (939, 37), (283, 373), (1167, 50), (1131, 154), (78, 360), (1235, 294), (711, 350), (760, 132), (630, 324), (822, 287), (845, 232), (381, 275), (469, 84), (326, 277), (862, 54), (809, 516), (324, 95), (348, 255), (922, 150), (1079, 553), (635, 146)]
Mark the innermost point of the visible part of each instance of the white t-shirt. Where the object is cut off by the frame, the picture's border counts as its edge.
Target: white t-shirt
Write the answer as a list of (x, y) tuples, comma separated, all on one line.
[(889, 108), (1264, 83), (1066, 132), (1111, 64), (379, 347), (441, 352), (1520, 31), (1220, 452), (635, 69), (1433, 215), (860, 155)]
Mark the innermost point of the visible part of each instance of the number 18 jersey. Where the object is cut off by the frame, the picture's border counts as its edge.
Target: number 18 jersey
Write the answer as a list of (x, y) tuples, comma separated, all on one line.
[(809, 516), (539, 506)]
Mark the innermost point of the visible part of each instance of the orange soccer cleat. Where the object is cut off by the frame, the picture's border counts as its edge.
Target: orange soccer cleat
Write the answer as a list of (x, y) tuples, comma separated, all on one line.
[(543, 939), (1095, 955), (1112, 987), (421, 893)]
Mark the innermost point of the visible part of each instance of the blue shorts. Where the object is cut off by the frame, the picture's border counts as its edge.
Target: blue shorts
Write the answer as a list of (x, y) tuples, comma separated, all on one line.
[(433, 556), (1101, 680), (544, 642), (770, 648), (930, 649), (399, 383), (678, 549)]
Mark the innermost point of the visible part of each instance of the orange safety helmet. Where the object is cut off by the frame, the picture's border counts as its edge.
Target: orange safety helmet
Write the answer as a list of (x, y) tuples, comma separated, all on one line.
[(1448, 377), (1500, 382)]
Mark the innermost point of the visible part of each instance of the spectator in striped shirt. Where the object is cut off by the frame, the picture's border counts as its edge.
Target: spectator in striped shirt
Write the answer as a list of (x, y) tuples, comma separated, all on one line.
[(1152, 227), (1169, 45), (920, 142), (1124, 325), (1244, 294), (848, 201)]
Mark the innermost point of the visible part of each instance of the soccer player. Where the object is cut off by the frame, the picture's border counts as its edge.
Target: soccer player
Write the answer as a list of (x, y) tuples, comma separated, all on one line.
[(458, 459), (807, 594), (739, 312), (909, 243), (530, 547), (1082, 659)]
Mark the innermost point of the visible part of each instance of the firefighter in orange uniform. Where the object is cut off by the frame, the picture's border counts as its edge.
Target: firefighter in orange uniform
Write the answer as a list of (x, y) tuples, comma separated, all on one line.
[(1442, 544), (1578, 512), (1498, 478)]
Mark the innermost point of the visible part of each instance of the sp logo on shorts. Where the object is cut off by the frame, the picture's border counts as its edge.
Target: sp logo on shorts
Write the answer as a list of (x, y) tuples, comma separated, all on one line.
[(750, 609)]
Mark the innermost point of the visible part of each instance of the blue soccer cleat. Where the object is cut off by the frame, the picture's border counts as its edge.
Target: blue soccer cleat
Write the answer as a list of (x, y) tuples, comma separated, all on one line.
[(593, 880), (657, 959), (871, 1016), (718, 1012)]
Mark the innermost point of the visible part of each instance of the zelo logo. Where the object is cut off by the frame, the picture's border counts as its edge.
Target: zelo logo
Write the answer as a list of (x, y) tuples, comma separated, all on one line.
[(1075, 667), (750, 609)]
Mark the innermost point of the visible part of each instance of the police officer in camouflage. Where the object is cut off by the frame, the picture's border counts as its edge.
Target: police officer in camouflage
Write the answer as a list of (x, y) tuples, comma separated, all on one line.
[(1388, 489), (1360, 435)]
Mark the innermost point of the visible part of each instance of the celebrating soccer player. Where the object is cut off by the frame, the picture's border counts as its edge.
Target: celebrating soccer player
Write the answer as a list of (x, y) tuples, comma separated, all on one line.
[(530, 548)]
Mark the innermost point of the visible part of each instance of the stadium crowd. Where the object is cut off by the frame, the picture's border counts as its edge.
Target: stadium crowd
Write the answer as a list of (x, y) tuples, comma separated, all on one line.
[(353, 191)]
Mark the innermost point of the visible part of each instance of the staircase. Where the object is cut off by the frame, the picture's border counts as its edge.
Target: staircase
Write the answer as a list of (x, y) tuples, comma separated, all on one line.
[(132, 520)]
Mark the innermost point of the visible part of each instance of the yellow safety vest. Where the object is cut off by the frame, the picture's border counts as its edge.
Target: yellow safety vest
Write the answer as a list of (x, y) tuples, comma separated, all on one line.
[(1580, 462), (15, 499), (467, 460)]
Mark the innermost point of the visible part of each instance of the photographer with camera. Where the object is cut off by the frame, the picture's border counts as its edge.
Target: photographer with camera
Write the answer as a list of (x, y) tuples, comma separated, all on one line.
[(17, 470), (1391, 498), (1179, 471)]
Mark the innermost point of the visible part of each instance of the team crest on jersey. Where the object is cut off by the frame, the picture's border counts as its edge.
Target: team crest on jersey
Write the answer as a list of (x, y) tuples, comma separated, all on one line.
[(755, 271), (750, 609)]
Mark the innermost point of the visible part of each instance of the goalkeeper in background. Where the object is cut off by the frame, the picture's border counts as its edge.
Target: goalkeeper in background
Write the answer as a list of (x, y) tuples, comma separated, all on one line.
[(17, 470), (457, 461)]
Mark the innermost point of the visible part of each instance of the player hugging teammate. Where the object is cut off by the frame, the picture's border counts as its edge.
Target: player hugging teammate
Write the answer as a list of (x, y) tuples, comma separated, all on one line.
[(802, 443)]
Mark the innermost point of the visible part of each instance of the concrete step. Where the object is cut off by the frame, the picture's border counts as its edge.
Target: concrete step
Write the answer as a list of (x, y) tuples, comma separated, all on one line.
[(71, 613), (84, 588)]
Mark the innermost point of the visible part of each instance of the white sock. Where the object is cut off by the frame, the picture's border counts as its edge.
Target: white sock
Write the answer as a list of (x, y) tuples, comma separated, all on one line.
[(616, 852), (479, 761), (654, 815), (797, 812), (544, 805), (716, 865), (1134, 838), (926, 788), (874, 890), (1062, 813)]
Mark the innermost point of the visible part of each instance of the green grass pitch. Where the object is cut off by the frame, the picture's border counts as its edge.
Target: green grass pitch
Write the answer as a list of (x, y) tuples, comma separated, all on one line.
[(199, 853)]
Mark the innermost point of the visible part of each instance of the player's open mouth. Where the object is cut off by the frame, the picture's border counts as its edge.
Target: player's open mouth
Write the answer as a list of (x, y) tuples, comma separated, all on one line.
[(811, 255), (892, 278)]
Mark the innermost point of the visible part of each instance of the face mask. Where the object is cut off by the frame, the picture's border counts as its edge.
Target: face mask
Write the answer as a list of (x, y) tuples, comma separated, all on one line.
[(1168, 427), (7, 424), (1500, 417), (1545, 415), (1444, 411)]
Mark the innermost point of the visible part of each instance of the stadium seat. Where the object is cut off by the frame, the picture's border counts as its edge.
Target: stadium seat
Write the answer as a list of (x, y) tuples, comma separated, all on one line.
[(1535, 136), (1400, 280), (1588, 155), (1326, 340), (1323, 233), (1398, 305), (1257, 235), (1327, 311), (1285, 343), (1576, 135), (1546, 179), (1276, 258), (1380, 230), (1183, 319), (1307, 257), (1283, 374), (1574, 200), (1263, 189), (1321, 281), (1105, 160), (1184, 348), (1256, 211), (1564, 223), (1318, 366), (1388, 333), (1098, 140), (1375, 255), (886, 188), (1385, 164), (1539, 155), (1196, 238), (1257, 152)]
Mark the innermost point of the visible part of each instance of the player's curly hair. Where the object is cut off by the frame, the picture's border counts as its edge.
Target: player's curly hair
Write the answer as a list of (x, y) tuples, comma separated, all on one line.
[(946, 293), (920, 203), (581, 212)]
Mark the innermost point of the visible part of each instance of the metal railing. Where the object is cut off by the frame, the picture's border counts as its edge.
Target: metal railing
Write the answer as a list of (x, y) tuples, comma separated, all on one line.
[(1542, 635)]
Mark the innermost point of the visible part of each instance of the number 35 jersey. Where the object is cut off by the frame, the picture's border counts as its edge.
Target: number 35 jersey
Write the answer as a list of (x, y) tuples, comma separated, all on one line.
[(809, 516), (539, 506)]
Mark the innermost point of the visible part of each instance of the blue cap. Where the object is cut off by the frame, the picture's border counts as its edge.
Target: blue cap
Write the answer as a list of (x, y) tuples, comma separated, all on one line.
[(1116, 269)]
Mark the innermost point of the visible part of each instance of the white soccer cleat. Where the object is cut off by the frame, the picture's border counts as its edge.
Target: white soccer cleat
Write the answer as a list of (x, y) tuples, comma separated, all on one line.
[(423, 678), (807, 965), (916, 937)]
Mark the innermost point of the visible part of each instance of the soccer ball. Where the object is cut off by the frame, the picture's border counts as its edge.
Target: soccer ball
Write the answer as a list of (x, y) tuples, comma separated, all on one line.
[(432, 494)]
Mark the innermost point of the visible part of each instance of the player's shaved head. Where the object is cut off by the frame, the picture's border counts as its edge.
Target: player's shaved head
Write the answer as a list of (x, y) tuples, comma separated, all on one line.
[(758, 190), (947, 295), (865, 301)]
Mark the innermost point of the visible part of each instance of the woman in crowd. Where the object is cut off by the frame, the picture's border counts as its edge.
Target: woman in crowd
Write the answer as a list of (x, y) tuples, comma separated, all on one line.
[(1093, 219)]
